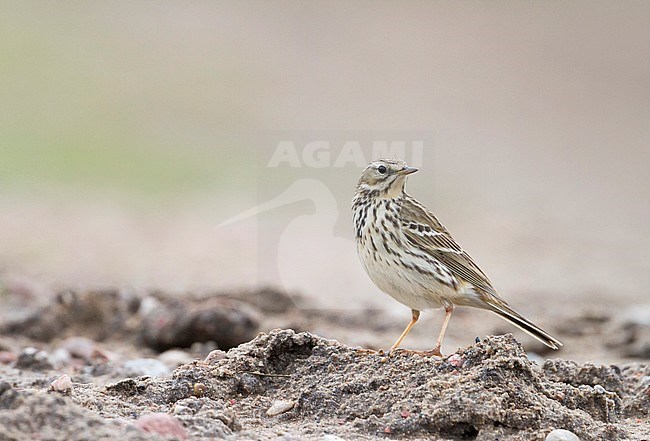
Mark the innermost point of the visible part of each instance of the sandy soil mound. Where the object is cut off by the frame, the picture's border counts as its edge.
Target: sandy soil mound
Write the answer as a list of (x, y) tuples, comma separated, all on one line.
[(300, 386)]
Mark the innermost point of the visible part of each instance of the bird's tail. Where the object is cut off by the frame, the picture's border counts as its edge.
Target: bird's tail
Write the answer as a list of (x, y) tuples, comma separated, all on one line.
[(507, 313)]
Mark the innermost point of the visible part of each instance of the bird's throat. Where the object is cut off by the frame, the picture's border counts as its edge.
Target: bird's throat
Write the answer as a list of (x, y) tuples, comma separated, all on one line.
[(395, 190)]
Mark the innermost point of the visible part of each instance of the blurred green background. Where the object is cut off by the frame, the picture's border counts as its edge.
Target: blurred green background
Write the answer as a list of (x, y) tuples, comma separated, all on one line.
[(112, 96)]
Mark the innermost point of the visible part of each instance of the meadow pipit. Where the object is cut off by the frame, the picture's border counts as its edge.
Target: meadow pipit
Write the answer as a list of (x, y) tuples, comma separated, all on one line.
[(412, 257)]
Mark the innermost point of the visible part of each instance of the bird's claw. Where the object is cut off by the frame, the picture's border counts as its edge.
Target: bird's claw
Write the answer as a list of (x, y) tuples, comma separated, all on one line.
[(435, 352)]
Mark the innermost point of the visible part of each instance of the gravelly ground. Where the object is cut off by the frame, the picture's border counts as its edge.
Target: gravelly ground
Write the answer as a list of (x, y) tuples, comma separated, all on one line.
[(284, 384)]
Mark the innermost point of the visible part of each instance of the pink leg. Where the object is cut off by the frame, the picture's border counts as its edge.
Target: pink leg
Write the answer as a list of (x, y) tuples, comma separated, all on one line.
[(441, 337)]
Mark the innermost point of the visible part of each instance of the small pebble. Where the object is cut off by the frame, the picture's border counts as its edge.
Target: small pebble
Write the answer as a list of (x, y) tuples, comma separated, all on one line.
[(215, 355), (279, 406), (455, 360), (63, 384), (32, 358), (561, 435), (199, 389), (146, 367), (599, 389), (7, 357), (162, 424)]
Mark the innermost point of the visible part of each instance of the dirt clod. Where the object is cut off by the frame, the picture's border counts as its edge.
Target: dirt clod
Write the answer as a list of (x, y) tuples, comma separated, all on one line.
[(173, 324), (301, 386)]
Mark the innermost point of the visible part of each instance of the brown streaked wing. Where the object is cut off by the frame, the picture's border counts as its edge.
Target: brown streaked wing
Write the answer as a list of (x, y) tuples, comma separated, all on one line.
[(442, 246)]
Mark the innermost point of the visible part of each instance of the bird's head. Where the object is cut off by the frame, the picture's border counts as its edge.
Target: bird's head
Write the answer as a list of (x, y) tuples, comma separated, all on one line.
[(386, 177)]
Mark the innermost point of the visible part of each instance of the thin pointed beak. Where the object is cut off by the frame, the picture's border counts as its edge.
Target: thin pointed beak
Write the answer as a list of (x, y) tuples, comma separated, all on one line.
[(408, 170)]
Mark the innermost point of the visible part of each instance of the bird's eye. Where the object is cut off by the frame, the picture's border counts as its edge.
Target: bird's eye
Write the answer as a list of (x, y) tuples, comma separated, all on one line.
[(381, 169)]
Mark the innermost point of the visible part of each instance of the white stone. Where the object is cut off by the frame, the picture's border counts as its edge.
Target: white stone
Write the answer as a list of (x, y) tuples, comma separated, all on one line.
[(280, 406), (562, 435), (63, 384)]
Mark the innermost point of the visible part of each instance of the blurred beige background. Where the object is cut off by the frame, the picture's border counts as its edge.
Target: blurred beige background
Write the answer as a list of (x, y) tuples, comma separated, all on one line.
[(130, 130)]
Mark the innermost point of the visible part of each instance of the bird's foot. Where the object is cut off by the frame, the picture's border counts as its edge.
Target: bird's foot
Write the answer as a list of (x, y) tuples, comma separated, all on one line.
[(432, 352)]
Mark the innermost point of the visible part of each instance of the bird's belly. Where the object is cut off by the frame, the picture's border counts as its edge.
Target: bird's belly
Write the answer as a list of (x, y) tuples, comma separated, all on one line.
[(412, 288)]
